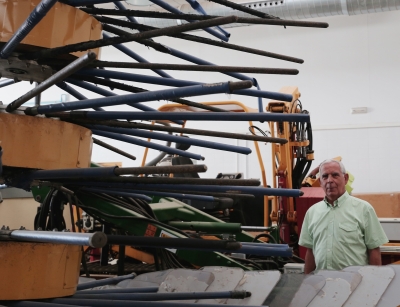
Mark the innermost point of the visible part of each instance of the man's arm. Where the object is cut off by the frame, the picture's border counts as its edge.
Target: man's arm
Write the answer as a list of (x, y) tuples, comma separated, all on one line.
[(309, 262), (374, 256)]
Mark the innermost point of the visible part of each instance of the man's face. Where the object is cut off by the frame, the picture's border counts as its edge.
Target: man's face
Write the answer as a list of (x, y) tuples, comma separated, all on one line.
[(333, 181)]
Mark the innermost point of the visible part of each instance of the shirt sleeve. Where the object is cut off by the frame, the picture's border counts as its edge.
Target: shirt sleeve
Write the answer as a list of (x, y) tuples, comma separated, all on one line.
[(374, 235), (306, 239)]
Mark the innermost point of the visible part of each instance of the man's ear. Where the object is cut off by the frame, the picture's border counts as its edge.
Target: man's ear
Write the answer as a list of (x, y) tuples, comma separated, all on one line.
[(346, 178)]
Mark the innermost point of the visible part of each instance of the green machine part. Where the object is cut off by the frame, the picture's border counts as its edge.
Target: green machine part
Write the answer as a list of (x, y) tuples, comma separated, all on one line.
[(135, 224), (168, 211)]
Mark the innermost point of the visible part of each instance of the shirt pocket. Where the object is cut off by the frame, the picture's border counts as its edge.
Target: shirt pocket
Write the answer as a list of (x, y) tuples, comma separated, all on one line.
[(348, 233)]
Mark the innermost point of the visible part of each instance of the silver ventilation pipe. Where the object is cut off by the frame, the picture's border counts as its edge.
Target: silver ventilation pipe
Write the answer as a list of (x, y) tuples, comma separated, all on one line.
[(286, 9)]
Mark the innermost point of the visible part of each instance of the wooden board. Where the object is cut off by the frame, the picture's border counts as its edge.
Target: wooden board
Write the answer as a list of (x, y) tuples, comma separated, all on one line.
[(38, 270), (43, 143), (385, 204)]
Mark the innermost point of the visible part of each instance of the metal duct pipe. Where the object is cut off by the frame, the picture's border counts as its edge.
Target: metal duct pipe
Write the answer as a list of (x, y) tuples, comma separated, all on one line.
[(286, 9)]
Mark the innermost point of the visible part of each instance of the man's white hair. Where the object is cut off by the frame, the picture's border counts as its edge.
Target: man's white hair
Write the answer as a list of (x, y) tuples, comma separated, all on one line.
[(342, 168)]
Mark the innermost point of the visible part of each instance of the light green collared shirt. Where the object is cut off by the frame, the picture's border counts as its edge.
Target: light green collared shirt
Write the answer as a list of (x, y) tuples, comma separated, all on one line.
[(340, 235)]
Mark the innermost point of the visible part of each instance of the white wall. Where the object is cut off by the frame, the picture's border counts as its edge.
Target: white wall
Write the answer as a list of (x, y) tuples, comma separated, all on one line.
[(353, 63)]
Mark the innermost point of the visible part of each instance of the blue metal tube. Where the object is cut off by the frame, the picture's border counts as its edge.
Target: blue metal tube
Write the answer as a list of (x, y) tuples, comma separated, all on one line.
[(196, 6), (135, 141), (119, 193), (121, 7), (121, 290), (37, 304), (136, 57), (108, 303), (70, 90), (173, 138), (157, 296), (177, 82), (33, 19), (199, 61), (134, 99), (103, 282), (174, 10), (224, 189), (261, 251), (266, 244), (204, 116), (74, 173), (7, 82), (177, 195), (85, 2), (200, 188), (101, 91)]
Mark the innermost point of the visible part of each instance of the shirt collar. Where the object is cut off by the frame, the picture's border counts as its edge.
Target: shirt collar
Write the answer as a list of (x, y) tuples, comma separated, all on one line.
[(339, 201)]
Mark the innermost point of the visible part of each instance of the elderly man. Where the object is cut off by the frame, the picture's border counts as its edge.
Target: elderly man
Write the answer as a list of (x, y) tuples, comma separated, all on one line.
[(341, 230)]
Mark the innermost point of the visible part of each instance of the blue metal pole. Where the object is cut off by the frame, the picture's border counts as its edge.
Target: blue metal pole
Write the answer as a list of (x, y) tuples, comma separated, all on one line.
[(262, 251), (4, 83), (196, 90), (163, 296), (121, 290), (196, 6), (121, 7), (176, 195), (177, 82), (136, 57), (37, 304), (33, 19), (101, 91), (86, 2), (203, 116), (70, 90), (104, 282), (201, 188), (108, 303), (174, 10), (198, 61), (135, 141), (119, 193), (223, 189), (173, 138), (74, 173)]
